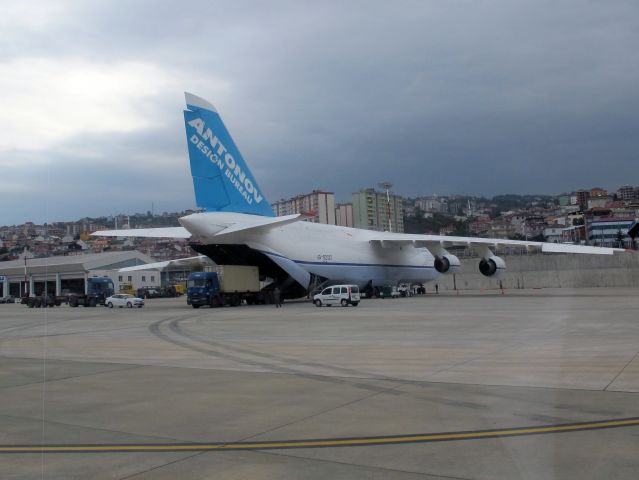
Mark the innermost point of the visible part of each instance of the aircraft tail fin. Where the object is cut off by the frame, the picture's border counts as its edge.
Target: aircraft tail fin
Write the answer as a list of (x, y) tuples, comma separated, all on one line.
[(221, 179)]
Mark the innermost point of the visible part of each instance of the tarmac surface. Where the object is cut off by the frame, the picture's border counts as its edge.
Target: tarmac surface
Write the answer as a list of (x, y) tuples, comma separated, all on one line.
[(531, 384)]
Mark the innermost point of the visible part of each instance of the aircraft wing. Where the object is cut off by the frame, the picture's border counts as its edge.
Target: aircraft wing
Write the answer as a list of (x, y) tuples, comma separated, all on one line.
[(164, 232), (180, 262), (437, 242)]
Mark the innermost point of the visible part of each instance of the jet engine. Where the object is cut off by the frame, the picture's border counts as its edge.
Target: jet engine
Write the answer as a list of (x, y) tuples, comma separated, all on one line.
[(447, 263), (492, 266)]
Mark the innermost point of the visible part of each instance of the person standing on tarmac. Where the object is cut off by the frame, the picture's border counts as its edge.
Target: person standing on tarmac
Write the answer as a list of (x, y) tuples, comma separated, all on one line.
[(277, 295)]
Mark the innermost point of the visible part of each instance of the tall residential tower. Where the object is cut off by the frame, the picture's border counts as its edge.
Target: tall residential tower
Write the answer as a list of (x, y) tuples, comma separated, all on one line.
[(371, 211)]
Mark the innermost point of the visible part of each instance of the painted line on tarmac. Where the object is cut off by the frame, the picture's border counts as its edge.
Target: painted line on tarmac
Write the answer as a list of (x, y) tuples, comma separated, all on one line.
[(322, 442)]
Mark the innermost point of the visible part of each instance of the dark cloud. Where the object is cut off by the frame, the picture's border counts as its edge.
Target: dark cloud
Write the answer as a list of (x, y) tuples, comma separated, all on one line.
[(438, 97)]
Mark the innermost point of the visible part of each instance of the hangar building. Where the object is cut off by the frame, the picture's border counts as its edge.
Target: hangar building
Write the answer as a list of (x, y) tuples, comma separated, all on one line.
[(63, 274)]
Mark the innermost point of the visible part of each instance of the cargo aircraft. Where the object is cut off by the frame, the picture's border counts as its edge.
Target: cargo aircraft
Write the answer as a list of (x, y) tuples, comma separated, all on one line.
[(237, 226)]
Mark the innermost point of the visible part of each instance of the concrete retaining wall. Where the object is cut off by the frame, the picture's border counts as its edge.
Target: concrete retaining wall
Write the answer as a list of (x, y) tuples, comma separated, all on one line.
[(550, 271)]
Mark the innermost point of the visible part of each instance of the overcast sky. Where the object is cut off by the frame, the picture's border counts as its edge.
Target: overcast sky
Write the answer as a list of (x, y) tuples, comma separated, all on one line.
[(460, 96)]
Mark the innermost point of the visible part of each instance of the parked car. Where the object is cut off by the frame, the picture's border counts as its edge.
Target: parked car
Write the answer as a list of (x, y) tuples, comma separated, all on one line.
[(124, 300), (157, 292), (149, 292), (8, 299), (343, 295)]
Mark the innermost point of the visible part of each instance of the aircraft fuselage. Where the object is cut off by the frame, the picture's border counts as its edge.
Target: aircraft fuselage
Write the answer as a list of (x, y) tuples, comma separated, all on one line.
[(338, 253)]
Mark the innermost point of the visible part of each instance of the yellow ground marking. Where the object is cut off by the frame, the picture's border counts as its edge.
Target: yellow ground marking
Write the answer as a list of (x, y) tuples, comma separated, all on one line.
[(317, 443)]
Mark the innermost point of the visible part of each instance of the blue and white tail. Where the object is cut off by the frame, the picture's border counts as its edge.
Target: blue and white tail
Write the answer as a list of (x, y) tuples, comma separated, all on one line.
[(221, 179)]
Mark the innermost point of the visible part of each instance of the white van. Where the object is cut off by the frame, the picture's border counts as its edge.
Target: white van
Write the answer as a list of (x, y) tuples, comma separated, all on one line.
[(338, 295)]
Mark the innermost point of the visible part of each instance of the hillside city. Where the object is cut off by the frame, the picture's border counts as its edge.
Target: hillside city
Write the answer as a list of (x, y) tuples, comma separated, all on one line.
[(588, 216)]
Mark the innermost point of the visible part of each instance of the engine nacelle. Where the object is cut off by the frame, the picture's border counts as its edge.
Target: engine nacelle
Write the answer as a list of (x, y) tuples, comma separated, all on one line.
[(492, 266), (447, 263)]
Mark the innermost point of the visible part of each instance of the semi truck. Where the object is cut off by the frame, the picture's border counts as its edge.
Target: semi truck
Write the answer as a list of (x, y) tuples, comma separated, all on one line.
[(224, 285), (98, 290)]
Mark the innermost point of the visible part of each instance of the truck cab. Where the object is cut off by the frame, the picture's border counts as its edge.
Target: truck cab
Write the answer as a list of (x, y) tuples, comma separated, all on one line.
[(203, 288), (98, 289)]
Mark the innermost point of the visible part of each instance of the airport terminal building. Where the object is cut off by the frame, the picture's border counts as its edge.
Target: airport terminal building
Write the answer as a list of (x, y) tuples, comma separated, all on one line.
[(66, 274)]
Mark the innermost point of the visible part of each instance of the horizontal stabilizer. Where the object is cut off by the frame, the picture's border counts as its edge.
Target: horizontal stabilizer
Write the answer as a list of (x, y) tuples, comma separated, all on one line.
[(166, 232), (262, 223), (209, 225)]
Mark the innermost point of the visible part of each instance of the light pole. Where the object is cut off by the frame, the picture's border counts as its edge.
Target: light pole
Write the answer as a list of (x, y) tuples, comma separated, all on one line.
[(387, 186), (26, 285)]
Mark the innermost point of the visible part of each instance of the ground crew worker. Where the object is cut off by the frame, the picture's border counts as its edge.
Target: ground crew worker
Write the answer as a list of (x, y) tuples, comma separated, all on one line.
[(277, 297)]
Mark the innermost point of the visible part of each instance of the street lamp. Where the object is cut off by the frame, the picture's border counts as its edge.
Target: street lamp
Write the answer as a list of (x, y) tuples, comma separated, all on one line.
[(27, 293)]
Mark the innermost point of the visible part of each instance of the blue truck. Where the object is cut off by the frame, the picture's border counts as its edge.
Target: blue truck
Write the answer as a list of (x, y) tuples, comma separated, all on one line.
[(98, 290), (224, 285)]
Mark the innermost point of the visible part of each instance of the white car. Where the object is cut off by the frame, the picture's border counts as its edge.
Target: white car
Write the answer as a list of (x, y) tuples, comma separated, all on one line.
[(123, 300), (338, 295)]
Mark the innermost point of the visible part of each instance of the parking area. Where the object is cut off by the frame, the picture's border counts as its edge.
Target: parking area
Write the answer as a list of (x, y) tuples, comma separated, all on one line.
[(400, 379)]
